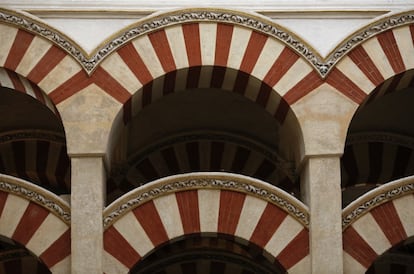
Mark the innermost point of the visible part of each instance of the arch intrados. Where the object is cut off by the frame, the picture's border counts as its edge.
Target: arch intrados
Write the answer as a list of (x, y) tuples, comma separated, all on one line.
[(169, 88)]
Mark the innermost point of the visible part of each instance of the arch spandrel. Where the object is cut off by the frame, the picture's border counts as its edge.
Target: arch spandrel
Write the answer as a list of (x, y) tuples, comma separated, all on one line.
[(195, 203)]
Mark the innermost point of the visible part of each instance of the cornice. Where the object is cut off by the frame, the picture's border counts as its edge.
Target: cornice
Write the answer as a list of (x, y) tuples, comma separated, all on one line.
[(37, 195), (205, 180), (159, 21), (376, 197)]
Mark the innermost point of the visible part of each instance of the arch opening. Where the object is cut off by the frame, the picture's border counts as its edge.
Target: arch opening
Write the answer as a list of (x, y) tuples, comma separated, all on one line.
[(208, 253), (176, 127), (32, 140), (380, 140)]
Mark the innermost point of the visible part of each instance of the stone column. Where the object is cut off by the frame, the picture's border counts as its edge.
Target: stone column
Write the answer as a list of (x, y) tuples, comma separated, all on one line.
[(88, 117), (87, 200), (321, 185)]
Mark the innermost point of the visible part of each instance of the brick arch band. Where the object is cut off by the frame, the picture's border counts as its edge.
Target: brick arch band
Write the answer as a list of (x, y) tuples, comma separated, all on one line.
[(38, 220), (223, 203), (377, 221), (202, 37)]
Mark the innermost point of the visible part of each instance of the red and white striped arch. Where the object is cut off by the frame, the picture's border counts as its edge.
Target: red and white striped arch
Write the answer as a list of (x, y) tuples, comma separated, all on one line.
[(218, 55), (36, 59), (153, 55), (377, 221), (194, 44), (377, 59), (26, 218), (187, 210)]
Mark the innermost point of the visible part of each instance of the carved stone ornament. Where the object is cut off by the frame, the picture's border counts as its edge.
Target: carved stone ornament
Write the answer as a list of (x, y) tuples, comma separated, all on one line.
[(37, 195), (376, 197), (205, 181), (252, 21)]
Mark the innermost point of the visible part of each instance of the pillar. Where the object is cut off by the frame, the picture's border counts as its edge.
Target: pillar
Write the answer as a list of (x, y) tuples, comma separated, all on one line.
[(321, 182), (87, 200)]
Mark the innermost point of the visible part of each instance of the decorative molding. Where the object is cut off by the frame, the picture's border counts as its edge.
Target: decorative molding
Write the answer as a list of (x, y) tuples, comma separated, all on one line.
[(154, 23), (365, 33), (35, 194), (205, 181), (42, 29), (375, 198)]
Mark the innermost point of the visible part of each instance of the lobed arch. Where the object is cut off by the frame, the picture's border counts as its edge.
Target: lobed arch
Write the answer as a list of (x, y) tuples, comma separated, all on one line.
[(197, 203), (37, 219), (375, 222)]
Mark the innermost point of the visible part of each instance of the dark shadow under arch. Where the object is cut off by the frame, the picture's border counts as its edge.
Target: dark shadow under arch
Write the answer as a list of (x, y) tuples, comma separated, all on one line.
[(208, 253), (399, 259), (380, 141), (205, 118), (16, 259)]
